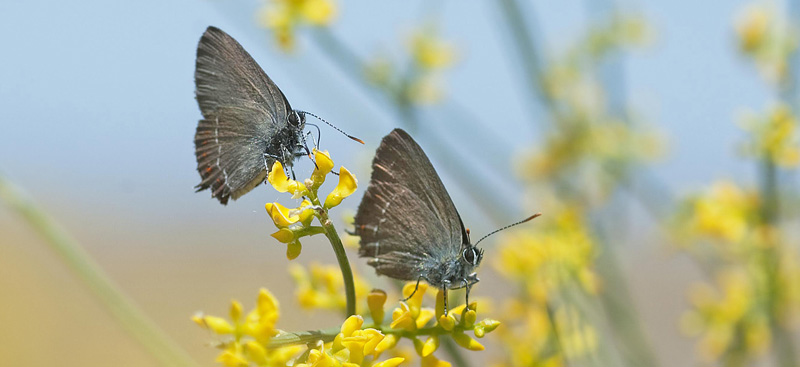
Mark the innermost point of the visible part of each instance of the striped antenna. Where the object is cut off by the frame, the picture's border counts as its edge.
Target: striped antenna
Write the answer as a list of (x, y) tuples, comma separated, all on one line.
[(507, 227), (331, 125)]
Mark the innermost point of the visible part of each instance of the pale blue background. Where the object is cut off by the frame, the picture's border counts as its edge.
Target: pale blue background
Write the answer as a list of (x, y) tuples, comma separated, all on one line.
[(98, 107)]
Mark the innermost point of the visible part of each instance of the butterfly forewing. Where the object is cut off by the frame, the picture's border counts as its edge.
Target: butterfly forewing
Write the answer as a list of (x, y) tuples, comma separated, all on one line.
[(406, 217), (243, 111)]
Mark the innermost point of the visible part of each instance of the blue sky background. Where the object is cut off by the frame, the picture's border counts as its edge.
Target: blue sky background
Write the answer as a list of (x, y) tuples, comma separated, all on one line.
[(99, 110)]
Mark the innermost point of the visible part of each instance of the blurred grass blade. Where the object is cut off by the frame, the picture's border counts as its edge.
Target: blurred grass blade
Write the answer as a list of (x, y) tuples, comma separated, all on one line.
[(122, 308)]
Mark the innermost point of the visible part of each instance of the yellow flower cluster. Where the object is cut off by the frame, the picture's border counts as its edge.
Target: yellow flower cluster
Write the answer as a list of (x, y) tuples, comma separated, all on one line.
[(590, 136), (419, 83), (768, 40), (754, 268), (558, 253), (356, 344), (775, 137), (352, 347), (295, 223), (726, 213), (322, 287), (586, 141), (284, 16), (544, 265), (249, 334), (727, 317)]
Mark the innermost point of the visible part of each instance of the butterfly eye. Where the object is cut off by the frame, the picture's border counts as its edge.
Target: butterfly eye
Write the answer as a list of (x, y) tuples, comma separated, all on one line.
[(294, 119), (470, 256)]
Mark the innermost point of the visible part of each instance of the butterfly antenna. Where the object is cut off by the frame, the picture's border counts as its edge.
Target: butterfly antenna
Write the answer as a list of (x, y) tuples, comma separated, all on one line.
[(331, 125), (507, 227)]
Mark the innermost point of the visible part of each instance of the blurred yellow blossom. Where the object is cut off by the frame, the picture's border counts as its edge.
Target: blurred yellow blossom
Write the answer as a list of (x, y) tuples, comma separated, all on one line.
[(766, 36), (322, 287), (250, 334), (557, 253), (752, 27), (284, 16), (556, 258), (733, 316), (419, 83), (725, 212), (774, 137), (429, 51)]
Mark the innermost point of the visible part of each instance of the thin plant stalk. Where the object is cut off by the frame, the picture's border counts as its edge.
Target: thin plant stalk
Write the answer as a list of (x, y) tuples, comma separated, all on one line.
[(121, 307), (770, 212), (341, 256)]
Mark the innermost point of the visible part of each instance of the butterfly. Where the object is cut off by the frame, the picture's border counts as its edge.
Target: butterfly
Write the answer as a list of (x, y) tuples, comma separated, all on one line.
[(409, 227), (247, 124)]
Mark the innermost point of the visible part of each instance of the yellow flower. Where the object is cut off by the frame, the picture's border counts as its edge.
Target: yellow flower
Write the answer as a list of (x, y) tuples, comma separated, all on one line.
[(294, 224), (322, 287), (250, 333), (410, 315), (752, 27), (375, 301), (432, 361), (731, 315), (284, 16), (725, 213), (775, 136), (430, 52), (347, 186), (280, 215), (318, 12), (352, 347), (324, 165), (548, 258), (278, 179)]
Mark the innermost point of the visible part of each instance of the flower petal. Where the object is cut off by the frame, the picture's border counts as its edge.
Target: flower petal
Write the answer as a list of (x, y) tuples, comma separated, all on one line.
[(280, 215), (346, 187), (375, 300), (467, 342), (324, 166), (293, 250), (352, 324), (284, 235)]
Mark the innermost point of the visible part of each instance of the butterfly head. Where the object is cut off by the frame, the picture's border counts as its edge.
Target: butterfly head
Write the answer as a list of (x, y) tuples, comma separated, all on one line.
[(297, 119)]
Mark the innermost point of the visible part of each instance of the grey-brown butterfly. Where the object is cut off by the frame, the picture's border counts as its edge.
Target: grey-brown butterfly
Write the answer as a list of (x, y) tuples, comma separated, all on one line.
[(247, 122), (409, 227)]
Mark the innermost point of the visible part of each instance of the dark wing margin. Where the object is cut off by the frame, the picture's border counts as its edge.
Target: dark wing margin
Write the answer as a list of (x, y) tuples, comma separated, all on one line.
[(242, 108), (406, 214)]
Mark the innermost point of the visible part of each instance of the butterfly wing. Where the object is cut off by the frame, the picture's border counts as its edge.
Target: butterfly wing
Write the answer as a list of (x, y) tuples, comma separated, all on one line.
[(242, 111), (406, 217)]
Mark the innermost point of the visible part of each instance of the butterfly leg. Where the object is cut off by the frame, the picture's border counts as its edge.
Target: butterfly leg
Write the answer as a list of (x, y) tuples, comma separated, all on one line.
[(468, 286), (415, 290), (446, 285)]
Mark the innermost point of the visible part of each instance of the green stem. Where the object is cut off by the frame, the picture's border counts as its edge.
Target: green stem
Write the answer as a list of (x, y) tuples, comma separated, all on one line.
[(122, 308), (341, 256), (530, 60), (327, 335), (770, 211)]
